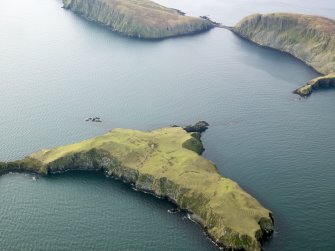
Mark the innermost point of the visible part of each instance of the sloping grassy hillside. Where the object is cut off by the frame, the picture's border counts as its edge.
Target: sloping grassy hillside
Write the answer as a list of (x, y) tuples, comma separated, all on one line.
[(158, 162), (308, 38), (138, 18)]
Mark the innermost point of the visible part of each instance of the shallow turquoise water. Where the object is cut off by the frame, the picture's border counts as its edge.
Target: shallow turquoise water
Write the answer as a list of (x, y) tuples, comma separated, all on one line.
[(57, 69)]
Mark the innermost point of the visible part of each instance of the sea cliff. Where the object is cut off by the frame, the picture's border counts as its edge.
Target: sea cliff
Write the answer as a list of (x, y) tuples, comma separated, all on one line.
[(167, 163), (316, 83), (138, 18), (308, 38)]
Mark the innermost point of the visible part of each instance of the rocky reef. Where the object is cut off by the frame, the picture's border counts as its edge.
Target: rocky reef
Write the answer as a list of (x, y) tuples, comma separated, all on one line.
[(308, 38), (162, 163), (139, 18)]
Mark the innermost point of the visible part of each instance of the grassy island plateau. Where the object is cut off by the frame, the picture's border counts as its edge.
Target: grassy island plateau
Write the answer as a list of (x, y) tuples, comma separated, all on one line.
[(308, 38), (139, 18), (167, 163)]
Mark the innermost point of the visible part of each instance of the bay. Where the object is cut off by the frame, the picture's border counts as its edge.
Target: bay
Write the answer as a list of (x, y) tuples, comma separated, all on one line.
[(57, 69)]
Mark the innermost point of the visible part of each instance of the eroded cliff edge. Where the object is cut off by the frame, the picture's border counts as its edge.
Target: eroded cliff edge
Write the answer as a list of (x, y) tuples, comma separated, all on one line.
[(138, 18), (308, 38), (165, 162)]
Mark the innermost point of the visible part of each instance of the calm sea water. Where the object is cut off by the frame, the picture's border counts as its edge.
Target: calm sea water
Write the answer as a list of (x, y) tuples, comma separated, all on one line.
[(57, 69)]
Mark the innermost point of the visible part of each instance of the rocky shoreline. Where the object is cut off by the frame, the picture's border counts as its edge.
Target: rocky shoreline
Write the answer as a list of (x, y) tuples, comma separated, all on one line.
[(267, 228), (142, 19), (310, 39), (160, 163), (327, 81)]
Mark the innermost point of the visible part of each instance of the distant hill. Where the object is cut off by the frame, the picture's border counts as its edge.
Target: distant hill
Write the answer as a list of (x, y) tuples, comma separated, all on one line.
[(138, 18), (309, 38)]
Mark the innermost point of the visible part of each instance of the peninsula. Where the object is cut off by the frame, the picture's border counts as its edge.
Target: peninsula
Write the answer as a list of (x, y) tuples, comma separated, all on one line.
[(167, 163), (139, 18), (308, 38)]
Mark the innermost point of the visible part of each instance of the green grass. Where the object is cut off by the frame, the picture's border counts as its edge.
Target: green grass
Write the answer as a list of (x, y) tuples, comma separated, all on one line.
[(194, 145), (158, 161), (160, 156)]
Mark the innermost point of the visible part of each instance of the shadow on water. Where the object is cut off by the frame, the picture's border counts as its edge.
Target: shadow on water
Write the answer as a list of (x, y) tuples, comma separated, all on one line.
[(114, 183), (323, 91), (91, 26), (266, 59), (150, 202)]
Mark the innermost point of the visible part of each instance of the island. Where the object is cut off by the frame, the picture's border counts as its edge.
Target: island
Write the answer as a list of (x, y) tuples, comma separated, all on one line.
[(311, 39), (167, 163), (139, 18)]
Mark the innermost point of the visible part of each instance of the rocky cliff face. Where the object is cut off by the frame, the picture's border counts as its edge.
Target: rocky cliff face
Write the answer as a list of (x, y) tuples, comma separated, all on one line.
[(308, 38), (138, 18), (158, 162), (25, 165), (320, 82), (197, 204)]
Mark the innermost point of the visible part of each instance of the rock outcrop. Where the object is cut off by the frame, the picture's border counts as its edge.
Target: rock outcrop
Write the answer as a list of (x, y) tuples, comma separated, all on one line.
[(138, 18), (157, 162), (320, 82), (308, 38), (199, 127)]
